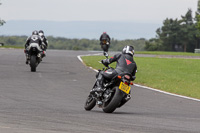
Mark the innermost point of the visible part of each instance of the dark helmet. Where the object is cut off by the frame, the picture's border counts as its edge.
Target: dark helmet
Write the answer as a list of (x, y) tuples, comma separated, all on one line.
[(128, 50), (41, 31), (35, 32)]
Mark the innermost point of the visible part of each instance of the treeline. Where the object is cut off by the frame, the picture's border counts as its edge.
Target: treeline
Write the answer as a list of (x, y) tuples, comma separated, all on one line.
[(75, 44), (177, 34)]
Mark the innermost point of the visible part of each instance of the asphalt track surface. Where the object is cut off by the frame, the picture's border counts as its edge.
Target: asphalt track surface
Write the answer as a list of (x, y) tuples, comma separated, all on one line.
[(52, 99)]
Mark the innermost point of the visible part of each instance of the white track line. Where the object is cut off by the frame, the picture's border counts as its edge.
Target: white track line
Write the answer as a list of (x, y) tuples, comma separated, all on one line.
[(145, 87)]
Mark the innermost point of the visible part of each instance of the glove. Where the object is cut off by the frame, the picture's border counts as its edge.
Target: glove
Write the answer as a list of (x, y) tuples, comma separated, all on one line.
[(105, 62), (26, 45)]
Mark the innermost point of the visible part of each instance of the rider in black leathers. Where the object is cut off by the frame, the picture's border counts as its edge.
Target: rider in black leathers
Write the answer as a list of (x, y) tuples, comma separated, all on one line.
[(106, 37), (34, 38), (125, 64), (44, 39)]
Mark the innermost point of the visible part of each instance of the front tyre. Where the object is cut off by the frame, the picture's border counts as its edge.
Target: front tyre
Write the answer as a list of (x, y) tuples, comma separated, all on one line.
[(112, 104), (105, 47), (33, 63), (90, 103)]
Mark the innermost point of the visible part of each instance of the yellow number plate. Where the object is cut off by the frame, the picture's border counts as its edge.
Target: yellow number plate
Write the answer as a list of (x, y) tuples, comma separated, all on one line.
[(125, 88)]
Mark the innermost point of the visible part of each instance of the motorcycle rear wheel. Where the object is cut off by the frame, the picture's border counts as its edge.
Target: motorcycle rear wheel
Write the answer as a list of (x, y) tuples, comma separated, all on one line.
[(112, 104), (33, 63), (90, 103)]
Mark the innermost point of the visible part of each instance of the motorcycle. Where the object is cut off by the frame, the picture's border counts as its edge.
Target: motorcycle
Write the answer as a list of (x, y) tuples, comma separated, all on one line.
[(115, 94), (105, 45), (34, 56)]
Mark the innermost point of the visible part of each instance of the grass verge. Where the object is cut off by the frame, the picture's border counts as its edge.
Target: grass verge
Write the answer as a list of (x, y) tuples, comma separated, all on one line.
[(168, 53), (16, 47), (179, 76)]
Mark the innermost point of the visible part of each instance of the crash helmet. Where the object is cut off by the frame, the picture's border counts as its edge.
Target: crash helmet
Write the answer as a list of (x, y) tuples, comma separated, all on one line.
[(41, 35), (41, 31), (35, 32), (128, 50)]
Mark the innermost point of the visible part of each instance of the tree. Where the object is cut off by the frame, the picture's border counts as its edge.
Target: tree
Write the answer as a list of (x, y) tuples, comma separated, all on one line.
[(153, 45), (197, 18), (167, 38), (198, 6), (176, 35), (188, 32), (169, 34), (1, 21)]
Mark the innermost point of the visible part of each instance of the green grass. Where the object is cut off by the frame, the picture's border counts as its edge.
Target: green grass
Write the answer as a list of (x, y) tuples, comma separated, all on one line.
[(168, 53), (179, 76), (16, 47)]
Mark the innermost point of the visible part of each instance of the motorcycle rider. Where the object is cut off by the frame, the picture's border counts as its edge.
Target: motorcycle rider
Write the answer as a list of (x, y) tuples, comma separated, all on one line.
[(105, 37), (44, 39), (34, 38), (44, 42), (125, 64)]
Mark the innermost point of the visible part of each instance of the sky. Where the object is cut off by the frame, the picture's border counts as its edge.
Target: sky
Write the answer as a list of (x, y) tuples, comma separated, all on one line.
[(143, 11)]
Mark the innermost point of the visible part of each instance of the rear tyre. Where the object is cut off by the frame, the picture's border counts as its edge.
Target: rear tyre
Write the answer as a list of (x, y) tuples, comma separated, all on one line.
[(33, 63), (90, 103), (112, 104)]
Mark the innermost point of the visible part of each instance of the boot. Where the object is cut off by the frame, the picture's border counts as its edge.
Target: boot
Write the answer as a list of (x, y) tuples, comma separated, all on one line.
[(99, 103), (100, 80), (27, 59), (99, 85)]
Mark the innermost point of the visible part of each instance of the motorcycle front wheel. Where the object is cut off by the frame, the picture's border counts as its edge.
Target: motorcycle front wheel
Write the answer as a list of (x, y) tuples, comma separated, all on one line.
[(90, 103), (105, 47)]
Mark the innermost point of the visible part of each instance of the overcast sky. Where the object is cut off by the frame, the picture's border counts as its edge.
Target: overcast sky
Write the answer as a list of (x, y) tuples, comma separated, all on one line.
[(150, 11)]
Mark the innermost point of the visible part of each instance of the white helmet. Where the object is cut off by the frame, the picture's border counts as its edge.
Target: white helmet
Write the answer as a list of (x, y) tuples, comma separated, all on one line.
[(41, 35), (128, 50)]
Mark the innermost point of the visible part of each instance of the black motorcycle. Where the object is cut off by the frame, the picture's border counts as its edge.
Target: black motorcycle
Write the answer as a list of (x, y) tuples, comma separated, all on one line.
[(116, 92), (105, 46), (34, 56)]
